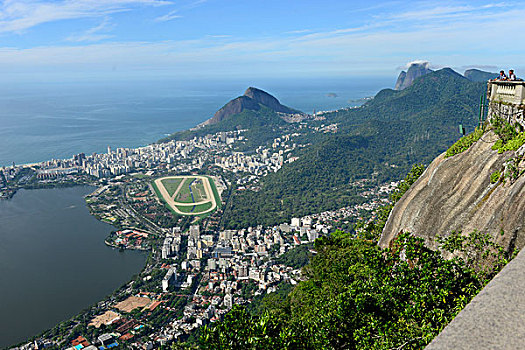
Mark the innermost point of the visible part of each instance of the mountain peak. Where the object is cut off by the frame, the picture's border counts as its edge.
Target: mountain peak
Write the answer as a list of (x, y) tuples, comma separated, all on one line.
[(479, 75), (415, 70), (252, 99), (267, 100), (252, 91)]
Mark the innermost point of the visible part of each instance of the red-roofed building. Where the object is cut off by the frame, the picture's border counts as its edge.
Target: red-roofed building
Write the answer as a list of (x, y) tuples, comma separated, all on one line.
[(126, 336), (80, 340)]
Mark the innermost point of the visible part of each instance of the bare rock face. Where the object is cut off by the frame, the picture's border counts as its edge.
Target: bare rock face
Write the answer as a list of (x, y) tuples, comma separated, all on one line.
[(235, 106), (415, 70), (400, 80), (252, 100), (455, 194), (267, 100)]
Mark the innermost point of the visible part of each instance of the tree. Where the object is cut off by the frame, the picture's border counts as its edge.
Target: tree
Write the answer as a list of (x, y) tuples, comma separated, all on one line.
[(357, 296)]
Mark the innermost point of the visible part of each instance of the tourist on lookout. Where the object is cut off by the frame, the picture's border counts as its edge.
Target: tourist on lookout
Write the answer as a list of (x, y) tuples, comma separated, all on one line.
[(501, 75)]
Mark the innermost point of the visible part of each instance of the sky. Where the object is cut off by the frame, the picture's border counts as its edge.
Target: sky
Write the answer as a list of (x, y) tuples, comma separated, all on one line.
[(203, 39)]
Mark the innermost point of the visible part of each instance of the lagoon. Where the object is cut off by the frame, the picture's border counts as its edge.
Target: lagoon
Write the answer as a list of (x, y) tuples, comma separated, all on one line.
[(53, 261)]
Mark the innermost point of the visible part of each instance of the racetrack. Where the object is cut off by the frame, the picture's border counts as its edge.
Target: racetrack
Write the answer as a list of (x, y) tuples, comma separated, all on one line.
[(210, 198)]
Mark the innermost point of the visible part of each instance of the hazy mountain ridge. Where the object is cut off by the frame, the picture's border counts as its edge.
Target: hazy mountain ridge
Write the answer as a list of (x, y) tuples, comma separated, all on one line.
[(479, 75)]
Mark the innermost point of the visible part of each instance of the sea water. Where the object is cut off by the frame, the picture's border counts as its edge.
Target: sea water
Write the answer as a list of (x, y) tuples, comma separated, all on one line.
[(46, 121)]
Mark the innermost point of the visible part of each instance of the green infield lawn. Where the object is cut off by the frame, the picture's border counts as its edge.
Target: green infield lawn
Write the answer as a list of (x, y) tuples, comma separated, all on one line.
[(199, 193), (184, 195), (171, 185), (196, 209)]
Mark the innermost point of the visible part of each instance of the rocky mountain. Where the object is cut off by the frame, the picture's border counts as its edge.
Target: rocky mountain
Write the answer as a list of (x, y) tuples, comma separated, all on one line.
[(415, 70), (253, 99), (463, 193), (479, 75)]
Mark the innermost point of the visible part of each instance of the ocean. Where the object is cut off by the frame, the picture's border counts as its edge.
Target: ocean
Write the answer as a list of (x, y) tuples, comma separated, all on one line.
[(43, 121)]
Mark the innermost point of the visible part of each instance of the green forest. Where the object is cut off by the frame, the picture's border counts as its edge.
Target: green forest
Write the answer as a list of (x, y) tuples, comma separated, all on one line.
[(379, 142)]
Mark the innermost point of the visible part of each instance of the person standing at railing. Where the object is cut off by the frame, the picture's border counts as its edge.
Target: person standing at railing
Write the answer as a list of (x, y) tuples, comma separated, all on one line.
[(512, 76), (501, 75)]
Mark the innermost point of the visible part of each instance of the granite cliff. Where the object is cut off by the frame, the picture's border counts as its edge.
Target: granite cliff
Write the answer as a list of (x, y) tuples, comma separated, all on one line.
[(415, 70), (457, 194), (253, 99)]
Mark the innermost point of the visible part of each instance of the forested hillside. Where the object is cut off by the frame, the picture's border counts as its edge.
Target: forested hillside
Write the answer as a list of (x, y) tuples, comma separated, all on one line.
[(379, 142), (262, 126)]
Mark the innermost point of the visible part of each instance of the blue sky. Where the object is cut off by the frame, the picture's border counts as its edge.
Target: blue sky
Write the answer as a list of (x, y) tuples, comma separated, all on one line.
[(115, 39)]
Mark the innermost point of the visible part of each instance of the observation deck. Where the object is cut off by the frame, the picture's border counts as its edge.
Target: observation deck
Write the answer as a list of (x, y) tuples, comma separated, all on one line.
[(507, 101), (507, 92)]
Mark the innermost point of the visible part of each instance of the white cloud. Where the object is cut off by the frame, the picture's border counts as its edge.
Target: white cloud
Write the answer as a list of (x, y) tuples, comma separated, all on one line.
[(299, 31), (424, 63), (20, 15), (96, 33), (440, 12), (380, 45), (168, 17), (174, 14)]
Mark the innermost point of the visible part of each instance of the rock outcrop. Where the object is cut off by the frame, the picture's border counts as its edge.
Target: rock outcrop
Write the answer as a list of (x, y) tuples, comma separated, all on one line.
[(415, 70), (400, 80), (252, 99), (267, 100), (235, 106), (456, 194)]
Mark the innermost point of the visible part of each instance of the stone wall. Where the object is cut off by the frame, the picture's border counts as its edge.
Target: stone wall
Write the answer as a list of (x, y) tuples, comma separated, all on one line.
[(509, 112)]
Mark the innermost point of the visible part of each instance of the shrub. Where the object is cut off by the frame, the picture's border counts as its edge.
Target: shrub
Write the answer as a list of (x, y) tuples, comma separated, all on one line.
[(510, 145), (464, 143), (495, 176)]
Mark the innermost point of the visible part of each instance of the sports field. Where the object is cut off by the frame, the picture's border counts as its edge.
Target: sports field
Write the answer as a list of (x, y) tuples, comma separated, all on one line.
[(188, 195)]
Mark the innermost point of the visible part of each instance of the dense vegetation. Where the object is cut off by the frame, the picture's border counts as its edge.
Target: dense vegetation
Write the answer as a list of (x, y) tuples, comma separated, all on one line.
[(317, 181), (379, 142), (464, 143), (296, 257), (358, 296)]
